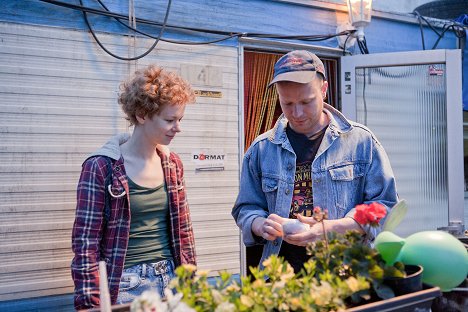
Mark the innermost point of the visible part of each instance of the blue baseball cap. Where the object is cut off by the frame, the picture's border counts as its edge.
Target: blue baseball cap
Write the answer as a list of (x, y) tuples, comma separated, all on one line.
[(298, 66)]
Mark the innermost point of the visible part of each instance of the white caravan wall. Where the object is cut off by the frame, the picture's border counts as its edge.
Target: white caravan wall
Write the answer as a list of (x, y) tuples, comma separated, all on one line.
[(58, 93)]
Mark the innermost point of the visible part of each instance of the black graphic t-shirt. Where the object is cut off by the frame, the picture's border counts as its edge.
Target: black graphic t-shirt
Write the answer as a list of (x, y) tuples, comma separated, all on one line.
[(302, 201)]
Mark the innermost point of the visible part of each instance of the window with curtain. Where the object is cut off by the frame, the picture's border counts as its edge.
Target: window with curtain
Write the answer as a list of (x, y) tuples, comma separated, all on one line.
[(261, 106)]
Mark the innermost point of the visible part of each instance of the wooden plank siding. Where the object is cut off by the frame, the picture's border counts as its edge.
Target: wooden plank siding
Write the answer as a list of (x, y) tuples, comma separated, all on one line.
[(59, 104)]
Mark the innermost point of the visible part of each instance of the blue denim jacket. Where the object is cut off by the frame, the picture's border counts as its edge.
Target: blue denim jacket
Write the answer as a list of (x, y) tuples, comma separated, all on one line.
[(350, 168)]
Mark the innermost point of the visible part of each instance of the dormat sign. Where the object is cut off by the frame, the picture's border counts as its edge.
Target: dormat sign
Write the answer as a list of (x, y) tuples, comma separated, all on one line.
[(209, 160)]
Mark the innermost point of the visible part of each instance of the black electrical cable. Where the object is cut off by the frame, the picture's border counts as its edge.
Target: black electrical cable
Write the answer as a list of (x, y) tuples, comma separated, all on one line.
[(365, 45), (344, 46), (167, 40), (138, 20), (135, 57), (298, 37), (421, 29), (444, 30), (361, 46), (427, 22), (456, 28), (233, 34), (172, 41)]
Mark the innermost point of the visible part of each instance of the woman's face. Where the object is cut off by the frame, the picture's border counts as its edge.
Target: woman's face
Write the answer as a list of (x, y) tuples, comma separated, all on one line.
[(162, 127)]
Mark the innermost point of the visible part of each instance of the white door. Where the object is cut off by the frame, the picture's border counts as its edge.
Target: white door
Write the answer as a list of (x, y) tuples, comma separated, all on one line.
[(412, 101)]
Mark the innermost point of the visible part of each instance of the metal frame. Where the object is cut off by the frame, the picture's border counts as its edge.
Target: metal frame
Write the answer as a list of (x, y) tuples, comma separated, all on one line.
[(451, 58)]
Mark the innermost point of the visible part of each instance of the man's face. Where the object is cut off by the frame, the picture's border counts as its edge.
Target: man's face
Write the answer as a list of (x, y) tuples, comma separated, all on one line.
[(302, 104)]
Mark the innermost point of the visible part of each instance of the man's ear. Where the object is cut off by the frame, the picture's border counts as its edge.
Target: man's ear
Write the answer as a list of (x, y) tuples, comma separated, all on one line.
[(324, 88)]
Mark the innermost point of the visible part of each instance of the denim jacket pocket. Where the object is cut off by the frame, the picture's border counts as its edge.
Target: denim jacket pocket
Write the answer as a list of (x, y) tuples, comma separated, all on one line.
[(270, 189), (129, 281), (346, 184), (347, 173)]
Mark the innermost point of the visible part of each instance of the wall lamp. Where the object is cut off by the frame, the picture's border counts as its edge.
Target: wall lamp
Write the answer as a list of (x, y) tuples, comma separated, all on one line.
[(360, 12)]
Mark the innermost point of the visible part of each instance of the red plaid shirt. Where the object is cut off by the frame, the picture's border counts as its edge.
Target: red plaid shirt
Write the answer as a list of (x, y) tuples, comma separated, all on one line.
[(92, 243)]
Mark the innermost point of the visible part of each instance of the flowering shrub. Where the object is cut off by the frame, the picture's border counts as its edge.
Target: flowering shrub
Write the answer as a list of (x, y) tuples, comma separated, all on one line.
[(347, 257), (345, 275), (370, 214), (342, 272), (275, 288)]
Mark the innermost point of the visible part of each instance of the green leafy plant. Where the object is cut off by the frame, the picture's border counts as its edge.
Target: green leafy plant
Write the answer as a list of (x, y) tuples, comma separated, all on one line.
[(342, 272), (274, 288), (347, 256)]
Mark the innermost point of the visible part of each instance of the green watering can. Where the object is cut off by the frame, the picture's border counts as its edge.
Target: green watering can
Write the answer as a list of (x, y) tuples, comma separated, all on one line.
[(443, 257)]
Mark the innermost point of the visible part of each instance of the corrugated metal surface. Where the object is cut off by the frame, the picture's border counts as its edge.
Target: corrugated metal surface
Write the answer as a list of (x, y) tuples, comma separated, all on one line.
[(406, 109), (58, 103)]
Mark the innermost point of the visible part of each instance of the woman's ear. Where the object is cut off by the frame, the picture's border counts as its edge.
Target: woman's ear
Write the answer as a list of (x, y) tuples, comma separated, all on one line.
[(140, 119)]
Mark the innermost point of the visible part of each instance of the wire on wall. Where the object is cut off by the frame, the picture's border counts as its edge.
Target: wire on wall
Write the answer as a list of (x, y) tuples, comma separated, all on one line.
[(85, 16), (167, 40), (458, 29), (225, 35), (362, 44)]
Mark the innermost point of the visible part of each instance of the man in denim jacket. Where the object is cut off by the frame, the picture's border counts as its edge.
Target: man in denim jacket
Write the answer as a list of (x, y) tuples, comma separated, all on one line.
[(312, 157)]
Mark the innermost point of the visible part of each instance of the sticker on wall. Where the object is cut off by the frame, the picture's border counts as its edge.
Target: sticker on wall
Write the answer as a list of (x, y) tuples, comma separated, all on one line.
[(209, 160), (211, 94), (347, 76), (347, 89), (435, 70)]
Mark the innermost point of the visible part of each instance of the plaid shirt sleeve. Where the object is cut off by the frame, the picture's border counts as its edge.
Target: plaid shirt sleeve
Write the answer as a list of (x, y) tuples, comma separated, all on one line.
[(87, 233), (184, 241)]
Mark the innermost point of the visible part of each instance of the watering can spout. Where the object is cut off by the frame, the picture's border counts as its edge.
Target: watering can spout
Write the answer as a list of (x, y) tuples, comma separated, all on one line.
[(389, 246)]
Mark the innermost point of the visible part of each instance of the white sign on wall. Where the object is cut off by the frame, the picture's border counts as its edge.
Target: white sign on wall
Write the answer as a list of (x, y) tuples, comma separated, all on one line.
[(209, 159)]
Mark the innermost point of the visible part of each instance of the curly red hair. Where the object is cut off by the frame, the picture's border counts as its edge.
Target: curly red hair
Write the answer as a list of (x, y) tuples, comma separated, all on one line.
[(150, 89)]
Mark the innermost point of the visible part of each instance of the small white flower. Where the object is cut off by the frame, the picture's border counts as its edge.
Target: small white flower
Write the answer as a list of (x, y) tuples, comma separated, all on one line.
[(150, 301), (225, 307)]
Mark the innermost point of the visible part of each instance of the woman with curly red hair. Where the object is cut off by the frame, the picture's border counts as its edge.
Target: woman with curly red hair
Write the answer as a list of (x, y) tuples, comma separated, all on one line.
[(131, 202)]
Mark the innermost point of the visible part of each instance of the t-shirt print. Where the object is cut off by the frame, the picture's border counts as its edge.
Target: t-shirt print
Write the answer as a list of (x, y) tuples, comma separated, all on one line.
[(302, 201)]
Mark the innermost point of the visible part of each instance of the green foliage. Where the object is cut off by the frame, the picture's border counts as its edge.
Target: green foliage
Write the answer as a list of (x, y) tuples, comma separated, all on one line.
[(275, 288), (346, 256), (345, 272)]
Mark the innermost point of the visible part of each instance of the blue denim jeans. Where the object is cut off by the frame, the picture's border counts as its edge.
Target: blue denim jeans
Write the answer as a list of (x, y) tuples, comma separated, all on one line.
[(146, 276)]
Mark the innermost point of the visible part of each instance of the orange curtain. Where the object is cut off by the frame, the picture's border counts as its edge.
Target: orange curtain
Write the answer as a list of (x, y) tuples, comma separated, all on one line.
[(261, 107), (260, 102)]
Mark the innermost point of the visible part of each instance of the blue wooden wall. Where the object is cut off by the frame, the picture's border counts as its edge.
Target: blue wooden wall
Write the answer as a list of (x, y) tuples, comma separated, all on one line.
[(260, 16)]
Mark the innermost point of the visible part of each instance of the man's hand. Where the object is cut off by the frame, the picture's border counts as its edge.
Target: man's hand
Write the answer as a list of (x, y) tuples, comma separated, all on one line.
[(302, 239), (307, 220), (316, 230), (269, 228)]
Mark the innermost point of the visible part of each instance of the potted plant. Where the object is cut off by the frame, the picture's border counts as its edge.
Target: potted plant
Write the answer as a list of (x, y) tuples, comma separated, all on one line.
[(343, 272)]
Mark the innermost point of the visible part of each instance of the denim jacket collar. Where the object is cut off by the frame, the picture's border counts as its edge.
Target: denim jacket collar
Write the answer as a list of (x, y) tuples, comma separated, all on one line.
[(338, 124)]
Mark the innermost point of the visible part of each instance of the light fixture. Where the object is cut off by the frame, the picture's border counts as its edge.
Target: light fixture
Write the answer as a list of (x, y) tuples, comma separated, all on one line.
[(360, 12)]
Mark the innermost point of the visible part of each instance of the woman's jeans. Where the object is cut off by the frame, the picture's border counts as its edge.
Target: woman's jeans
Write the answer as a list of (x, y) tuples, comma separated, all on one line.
[(146, 276)]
